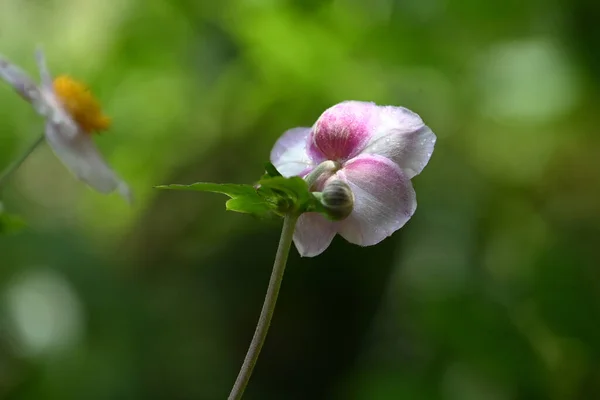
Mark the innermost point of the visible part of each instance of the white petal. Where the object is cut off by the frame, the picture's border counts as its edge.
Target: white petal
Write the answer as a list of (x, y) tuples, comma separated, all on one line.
[(45, 76), (384, 199), (289, 155), (55, 112), (81, 156), (313, 234), (401, 135), (22, 83)]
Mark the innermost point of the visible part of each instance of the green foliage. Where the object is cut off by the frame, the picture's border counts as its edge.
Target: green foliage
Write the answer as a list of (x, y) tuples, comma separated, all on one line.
[(244, 198), (10, 223), (273, 194), (501, 252), (270, 171)]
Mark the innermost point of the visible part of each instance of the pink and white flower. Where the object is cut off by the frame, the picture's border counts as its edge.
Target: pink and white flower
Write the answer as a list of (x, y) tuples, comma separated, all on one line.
[(375, 150)]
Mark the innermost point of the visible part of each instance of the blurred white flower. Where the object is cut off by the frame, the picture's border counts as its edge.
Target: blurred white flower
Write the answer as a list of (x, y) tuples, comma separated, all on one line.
[(72, 114)]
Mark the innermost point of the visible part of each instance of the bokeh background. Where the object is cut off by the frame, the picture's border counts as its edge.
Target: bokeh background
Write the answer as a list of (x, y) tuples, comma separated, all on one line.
[(490, 292)]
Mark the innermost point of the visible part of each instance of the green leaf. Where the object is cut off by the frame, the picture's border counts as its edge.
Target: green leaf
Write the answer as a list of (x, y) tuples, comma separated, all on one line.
[(273, 194), (229, 189), (292, 194), (244, 198), (270, 171), (292, 190), (249, 205)]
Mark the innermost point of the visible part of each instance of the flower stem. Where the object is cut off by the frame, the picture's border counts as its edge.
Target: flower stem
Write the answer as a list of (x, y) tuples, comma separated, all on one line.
[(326, 167), (17, 163), (264, 321)]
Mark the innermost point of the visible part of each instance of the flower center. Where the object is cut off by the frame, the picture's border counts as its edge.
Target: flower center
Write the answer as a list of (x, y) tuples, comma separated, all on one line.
[(80, 103)]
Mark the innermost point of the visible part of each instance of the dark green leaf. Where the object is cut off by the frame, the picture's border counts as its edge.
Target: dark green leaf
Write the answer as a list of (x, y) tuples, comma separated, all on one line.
[(271, 171)]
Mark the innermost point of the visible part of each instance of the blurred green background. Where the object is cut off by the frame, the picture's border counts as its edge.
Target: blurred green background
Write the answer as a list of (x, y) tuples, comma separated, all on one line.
[(490, 292)]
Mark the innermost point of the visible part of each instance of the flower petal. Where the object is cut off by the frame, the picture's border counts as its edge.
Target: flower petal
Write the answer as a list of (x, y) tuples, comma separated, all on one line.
[(384, 199), (401, 135), (53, 109), (313, 234), (81, 156), (289, 154), (21, 83), (45, 76), (342, 131)]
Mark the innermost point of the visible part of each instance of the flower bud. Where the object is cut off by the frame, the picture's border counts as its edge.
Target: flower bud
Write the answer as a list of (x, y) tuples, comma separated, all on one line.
[(337, 199)]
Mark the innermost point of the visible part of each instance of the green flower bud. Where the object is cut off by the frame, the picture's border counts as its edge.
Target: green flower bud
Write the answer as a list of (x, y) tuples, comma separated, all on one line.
[(337, 199)]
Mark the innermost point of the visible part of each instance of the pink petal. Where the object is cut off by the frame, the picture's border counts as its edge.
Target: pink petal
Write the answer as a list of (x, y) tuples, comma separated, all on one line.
[(81, 156), (343, 130), (313, 234), (289, 154), (384, 199), (401, 135)]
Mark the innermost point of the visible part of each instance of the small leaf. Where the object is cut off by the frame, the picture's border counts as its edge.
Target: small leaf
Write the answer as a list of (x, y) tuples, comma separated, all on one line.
[(291, 194), (271, 171), (229, 189), (244, 198), (248, 205), (273, 194)]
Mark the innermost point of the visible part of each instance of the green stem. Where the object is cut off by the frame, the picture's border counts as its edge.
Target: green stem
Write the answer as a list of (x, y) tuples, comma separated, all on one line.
[(264, 321), (17, 163), (326, 167)]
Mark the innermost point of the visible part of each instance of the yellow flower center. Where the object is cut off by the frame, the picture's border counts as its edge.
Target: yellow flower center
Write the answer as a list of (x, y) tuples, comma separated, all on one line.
[(81, 104)]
